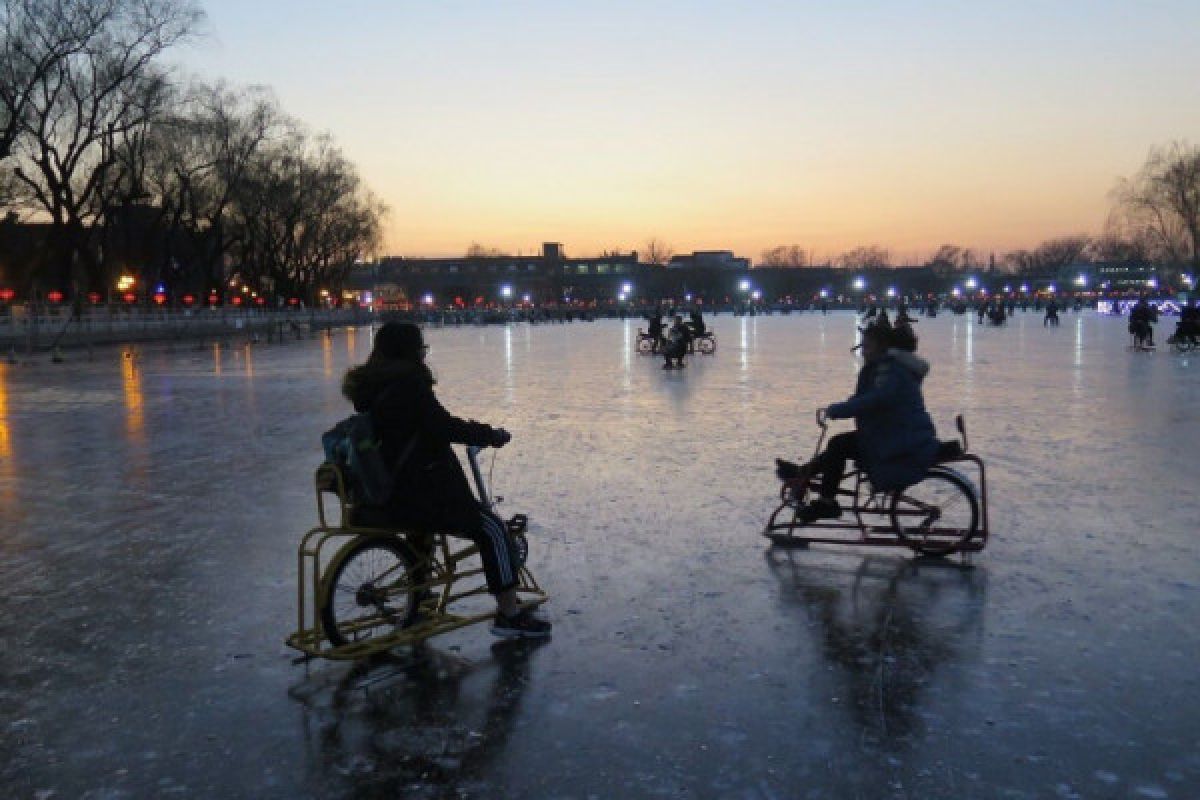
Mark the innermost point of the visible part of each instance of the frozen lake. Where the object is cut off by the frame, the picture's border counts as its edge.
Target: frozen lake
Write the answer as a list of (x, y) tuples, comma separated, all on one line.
[(152, 503)]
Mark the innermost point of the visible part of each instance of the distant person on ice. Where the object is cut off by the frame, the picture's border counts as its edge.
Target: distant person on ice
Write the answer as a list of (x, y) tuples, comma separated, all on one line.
[(432, 493), (894, 441), (697, 323), (1141, 322), (677, 344), (1188, 327), (1051, 317), (655, 329)]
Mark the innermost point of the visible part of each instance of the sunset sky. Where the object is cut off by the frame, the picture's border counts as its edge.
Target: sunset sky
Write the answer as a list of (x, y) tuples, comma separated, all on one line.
[(732, 125)]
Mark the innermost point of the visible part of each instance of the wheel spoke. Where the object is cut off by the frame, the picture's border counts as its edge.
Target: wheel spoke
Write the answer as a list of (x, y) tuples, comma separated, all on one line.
[(369, 592), (935, 515)]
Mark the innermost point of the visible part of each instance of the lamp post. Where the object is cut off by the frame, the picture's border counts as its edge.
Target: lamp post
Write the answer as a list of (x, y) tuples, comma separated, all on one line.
[(744, 288), (860, 286)]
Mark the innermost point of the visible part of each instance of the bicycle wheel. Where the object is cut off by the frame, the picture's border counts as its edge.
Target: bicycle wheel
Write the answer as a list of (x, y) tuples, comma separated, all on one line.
[(368, 591), (936, 515), (707, 345)]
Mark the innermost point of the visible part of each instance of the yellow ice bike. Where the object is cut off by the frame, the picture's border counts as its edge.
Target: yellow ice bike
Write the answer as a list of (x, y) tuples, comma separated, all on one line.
[(363, 590)]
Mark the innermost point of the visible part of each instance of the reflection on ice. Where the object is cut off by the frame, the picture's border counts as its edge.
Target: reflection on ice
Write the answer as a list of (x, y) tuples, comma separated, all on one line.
[(5, 444), (152, 506), (888, 624), (131, 383), (417, 722)]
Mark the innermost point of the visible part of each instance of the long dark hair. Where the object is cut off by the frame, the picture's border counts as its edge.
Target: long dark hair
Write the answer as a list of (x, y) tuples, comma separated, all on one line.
[(400, 342)]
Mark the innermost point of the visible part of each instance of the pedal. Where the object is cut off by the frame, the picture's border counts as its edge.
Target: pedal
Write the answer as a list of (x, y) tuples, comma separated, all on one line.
[(517, 523)]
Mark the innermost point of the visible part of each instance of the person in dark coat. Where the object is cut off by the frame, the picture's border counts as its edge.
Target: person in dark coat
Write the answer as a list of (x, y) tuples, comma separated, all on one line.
[(655, 329), (1188, 327), (1141, 323), (1051, 317), (431, 491), (894, 441), (677, 344)]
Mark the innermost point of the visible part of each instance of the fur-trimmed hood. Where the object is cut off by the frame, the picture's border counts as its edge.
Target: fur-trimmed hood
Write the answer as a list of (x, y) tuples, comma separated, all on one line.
[(912, 362), (364, 383)]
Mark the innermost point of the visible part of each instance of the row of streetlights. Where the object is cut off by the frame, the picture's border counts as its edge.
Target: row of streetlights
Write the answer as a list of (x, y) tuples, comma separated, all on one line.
[(859, 283)]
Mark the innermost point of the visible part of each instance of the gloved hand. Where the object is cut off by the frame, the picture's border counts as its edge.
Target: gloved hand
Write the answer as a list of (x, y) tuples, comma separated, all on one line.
[(501, 437)]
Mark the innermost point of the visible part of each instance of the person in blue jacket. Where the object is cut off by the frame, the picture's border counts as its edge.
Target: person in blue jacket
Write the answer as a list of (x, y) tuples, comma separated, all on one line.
[(894, 441)]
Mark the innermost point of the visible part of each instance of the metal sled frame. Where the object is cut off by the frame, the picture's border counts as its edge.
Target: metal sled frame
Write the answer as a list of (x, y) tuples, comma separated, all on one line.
[(319, 546)]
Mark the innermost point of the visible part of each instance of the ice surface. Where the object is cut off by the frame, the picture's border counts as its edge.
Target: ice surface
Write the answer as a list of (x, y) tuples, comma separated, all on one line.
[(153, 499)]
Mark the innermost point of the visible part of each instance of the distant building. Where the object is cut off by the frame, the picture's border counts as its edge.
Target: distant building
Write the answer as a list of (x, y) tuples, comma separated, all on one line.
[(1119, 277), (468, 280), (709, 259)]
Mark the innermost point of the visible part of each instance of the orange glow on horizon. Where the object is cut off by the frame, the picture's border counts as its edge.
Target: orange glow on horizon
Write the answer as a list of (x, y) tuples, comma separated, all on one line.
[(828, 126)]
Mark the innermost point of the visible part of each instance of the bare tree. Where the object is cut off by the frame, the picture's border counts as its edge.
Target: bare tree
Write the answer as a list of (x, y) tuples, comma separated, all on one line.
[(950, 258), (35, 37), (1115, 245), (656, 252), (869, 257), (304, 217), (222, 135), (1061, 251), (81, 109), (476, 250), (1162, 203), (786, 255), (1050, 255), (1019, 261), (8, 188)]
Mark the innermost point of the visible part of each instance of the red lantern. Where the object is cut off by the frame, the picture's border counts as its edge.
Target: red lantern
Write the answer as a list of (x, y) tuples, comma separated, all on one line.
[(293, 301), (212, 298), (54, 296), (94, 297), (237, 300), (258, 301), (6, 295), (160, 298), (129, 297), (188, 299)]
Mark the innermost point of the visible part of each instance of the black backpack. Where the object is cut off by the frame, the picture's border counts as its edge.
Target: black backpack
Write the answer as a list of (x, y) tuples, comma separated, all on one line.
[(355, 447)]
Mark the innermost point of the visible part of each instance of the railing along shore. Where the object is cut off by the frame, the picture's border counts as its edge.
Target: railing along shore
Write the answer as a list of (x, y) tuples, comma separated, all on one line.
[(29, 331)]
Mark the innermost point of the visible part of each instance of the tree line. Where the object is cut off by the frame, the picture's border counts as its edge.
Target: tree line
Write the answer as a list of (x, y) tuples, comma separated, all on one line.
[(101, 142), (1154, 218)]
